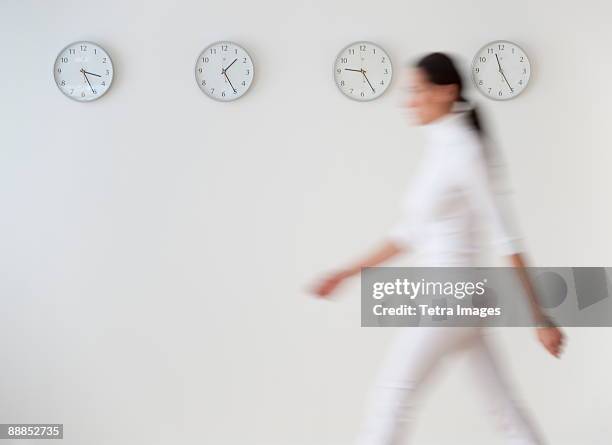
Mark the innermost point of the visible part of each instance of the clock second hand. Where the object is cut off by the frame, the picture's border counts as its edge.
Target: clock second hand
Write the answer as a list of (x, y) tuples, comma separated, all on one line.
[(501, 71)]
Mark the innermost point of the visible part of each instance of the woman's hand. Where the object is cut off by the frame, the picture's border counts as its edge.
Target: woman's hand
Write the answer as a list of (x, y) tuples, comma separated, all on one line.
[(552, 339), (384, 252), (329, 284)]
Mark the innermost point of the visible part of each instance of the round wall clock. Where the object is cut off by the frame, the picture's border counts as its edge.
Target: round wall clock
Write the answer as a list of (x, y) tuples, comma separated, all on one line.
[(363, 71), (501, 70), (224, 71), (83, 71)]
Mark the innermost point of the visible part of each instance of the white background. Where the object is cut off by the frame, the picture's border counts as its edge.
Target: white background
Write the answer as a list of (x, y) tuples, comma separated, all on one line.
[(155, 244)]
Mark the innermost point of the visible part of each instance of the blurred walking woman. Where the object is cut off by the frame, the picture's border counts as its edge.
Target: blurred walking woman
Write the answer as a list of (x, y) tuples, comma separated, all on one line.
[(449, 200)]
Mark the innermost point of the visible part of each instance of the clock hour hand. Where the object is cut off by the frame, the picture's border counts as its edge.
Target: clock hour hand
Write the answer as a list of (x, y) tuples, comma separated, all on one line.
[(87, 72), (228, 67)]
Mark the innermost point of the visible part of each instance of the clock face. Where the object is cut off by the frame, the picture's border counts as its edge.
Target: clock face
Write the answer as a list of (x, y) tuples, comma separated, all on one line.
[(224, 71), (501, 70), (83, 71), (363, 71)]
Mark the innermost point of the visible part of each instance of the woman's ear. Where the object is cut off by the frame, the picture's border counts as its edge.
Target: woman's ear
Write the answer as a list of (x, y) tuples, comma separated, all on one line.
[(451, 92), (446, 93)]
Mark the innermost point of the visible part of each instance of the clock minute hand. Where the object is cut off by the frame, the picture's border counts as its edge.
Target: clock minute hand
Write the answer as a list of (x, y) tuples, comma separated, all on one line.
[(87, 79), (224, 72), (230, 82), (511, 90), (350, 69), (501, 71), (368, 80)]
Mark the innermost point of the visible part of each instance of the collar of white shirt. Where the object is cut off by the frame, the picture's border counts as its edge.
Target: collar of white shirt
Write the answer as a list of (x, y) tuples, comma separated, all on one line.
[(447, 128)]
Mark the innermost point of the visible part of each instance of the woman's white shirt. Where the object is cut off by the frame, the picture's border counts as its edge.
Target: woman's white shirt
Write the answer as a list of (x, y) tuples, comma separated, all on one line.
[(453, 198)]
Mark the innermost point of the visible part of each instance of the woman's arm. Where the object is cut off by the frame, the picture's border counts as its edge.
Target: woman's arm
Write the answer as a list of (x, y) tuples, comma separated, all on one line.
[(519, 264), (548, 334), (486, 201), (386, 251)]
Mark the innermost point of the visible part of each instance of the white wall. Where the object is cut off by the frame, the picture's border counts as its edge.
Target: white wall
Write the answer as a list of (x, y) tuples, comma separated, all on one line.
[(155, 244)]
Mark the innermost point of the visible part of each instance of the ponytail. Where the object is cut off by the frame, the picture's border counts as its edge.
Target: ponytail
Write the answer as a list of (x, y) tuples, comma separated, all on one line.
[(472, 115)]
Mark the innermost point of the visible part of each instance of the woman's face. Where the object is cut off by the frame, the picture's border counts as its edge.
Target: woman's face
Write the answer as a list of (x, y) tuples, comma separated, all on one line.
[(428, 101)]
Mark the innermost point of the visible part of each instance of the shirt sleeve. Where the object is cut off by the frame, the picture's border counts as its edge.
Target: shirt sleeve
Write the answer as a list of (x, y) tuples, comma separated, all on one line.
[(488, 191)]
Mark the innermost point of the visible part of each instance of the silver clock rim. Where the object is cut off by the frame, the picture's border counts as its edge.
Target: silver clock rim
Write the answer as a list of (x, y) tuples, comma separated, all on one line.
[(474, 77), (344, 49), (107, 55), (195, 70)]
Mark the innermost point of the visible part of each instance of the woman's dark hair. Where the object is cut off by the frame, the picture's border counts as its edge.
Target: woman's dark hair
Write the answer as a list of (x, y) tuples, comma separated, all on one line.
[(441, 70)]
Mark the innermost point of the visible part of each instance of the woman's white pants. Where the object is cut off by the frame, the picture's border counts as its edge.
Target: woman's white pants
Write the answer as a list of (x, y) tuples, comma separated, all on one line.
[(412, 358)]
